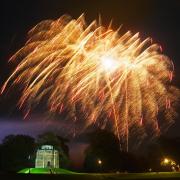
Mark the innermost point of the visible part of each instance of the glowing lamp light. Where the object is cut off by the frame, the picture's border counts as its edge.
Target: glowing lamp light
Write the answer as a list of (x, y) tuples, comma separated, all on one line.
[(166, 161), (99, 162)]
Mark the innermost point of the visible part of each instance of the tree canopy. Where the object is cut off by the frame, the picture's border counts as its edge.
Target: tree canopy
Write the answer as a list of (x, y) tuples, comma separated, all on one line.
[(17, 152)]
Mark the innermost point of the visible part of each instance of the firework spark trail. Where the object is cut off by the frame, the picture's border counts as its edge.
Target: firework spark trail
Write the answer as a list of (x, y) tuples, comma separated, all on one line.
[(115, 76)]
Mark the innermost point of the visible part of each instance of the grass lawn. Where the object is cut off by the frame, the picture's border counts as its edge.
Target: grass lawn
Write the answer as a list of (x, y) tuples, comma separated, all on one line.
[(44, 173)]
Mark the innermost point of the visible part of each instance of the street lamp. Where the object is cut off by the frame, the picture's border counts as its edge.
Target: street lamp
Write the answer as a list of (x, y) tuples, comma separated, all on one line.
[(170, 163), (99, 162), (166, 161)]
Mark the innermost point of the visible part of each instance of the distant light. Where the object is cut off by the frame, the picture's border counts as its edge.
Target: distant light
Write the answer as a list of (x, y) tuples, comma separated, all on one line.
[(166, 161), (169, 162), (150, 169), (99, 161)]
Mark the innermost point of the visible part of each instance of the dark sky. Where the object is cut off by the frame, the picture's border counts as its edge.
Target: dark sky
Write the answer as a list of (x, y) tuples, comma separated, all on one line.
[(157, 19)]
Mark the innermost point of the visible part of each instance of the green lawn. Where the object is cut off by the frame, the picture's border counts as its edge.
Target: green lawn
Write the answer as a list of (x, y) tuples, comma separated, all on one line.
[(45, 171), (121, 176), (69, 175)]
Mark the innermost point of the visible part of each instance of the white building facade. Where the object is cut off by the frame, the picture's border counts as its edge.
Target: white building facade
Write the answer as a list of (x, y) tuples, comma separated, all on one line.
[(47, 157)]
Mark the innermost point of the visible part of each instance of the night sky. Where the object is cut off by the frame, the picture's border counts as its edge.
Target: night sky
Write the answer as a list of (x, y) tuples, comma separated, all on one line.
[(157, 19)]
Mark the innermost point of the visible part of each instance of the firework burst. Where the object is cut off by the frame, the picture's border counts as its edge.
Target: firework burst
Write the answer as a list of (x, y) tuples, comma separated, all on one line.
[(117, 77)]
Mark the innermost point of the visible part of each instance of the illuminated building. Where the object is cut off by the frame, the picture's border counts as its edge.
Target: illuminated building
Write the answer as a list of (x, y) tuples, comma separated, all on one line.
[(47, 157)]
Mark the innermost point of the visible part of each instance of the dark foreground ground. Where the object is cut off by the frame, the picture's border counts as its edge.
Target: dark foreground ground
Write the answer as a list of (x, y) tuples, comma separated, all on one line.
[(121, 176)]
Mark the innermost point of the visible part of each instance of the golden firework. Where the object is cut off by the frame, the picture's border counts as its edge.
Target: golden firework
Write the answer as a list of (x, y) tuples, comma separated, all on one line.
[(111, 75)]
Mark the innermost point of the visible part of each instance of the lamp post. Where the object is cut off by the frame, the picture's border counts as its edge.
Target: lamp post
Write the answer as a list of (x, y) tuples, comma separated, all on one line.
[(99, 162), (171, 163)]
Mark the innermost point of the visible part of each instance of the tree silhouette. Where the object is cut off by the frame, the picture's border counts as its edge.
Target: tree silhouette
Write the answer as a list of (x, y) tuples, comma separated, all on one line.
[(17, 152)]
